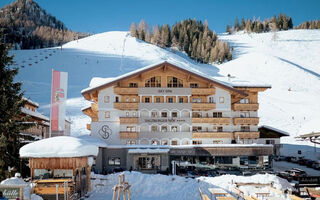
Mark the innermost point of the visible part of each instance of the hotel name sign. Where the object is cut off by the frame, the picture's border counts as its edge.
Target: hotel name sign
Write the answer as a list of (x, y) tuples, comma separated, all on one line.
[(164, 120)]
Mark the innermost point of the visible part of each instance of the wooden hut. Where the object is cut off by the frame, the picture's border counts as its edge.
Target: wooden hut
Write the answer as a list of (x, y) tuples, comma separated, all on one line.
[(61, 166)]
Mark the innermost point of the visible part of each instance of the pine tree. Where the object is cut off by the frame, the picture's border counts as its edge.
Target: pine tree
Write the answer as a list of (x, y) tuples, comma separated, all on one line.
[(133, 30), (236, 25), (11, 102)]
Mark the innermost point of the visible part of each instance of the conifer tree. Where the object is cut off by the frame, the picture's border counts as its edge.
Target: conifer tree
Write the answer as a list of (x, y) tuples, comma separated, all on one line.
[(11, 102), (236, 25), (133, 30)]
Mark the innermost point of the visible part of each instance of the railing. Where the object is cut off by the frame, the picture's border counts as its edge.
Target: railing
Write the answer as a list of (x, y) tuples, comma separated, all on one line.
[(245, 106), (203, 106), (123, 90), (126, 105), (128, 135), (211, 135), (129, 120), (91, 113), (203, 91), (246, 135), (246, 120), (213, 120)]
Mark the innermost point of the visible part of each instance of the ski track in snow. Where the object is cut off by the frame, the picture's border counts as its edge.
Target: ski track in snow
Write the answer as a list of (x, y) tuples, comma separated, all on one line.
[(290, 63)]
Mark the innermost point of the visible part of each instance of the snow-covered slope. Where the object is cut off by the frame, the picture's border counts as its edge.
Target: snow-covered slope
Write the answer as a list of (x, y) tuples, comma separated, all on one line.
[(288, 60)]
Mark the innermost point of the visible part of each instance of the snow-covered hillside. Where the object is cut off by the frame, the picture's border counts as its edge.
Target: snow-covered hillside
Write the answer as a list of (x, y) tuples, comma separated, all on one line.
[(288, 60)]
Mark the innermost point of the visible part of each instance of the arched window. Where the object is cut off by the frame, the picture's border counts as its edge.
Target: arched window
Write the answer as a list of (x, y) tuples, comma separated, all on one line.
[(174, 82), (153, 82)]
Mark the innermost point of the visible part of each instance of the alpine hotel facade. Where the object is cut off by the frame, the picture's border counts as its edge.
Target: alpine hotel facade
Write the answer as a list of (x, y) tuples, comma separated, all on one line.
[(165, 112)]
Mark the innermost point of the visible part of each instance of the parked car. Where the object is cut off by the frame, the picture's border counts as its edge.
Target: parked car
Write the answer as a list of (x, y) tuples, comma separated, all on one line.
[(191, 174), (296, 173), (302, 161), (285, 175), (212, 173), (288, 158), (221, 172), (280, 158), (309, 163), (294, 159), (316, 165)]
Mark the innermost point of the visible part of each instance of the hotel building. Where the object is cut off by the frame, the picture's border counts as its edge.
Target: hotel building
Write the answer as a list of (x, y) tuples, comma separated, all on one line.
[(165, 112)]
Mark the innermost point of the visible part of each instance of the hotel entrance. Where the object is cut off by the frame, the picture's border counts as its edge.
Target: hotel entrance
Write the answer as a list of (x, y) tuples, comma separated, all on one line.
[(148, 162)]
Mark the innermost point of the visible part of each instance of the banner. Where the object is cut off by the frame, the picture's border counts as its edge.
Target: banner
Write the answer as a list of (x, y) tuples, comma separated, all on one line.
[(58, 101)]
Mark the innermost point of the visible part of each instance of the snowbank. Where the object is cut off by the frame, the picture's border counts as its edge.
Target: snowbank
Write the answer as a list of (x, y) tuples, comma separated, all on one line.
[(161, 187), (62, 146)]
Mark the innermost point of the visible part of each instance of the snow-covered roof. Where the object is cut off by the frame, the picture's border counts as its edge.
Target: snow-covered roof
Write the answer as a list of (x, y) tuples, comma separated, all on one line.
[(99, 82), (150, 151), (34, 114), (16, 181), (275, 129), (235, 82), (139, 146), (31, 102), (61, 146)]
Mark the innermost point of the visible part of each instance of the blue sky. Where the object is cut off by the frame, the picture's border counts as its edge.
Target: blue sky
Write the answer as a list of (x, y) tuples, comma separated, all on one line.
[(103, 15)]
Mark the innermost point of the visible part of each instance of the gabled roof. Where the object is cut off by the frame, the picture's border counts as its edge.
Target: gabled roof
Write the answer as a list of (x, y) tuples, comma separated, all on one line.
[(194, 72)]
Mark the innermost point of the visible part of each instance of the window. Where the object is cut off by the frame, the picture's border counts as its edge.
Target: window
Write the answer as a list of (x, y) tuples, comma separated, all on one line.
[(114, 161), (127, 114), (180, 100), (158, 100), (170, 100), (174, 142), (194, 85), (196, 142), (244, 114), (154, 128), (217, 114), (196, 129), (196, 100), (153, 82), (196, 114), (164, 129), (244, 101), (164, 142), (219, 129), (221, 99), (134, 114), (127, 99), (174, 82), (147, 100), (154, 114), (211, 100), (131, 128), (117, 99), (107, 114), (133, 99), (270, 142), (174, 114), (217, 142), (245, 128), (174, 128), (133, 85), (164, 114), (106, 99), (131, 142)]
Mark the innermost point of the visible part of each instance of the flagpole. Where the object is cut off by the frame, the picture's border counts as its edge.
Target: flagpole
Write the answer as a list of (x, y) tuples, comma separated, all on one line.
[(52, 70)]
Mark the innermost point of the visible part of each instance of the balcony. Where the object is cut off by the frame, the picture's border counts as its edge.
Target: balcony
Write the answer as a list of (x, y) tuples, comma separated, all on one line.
[(92, 112), (246, 135), (129, 120), (128, 135), (245, 106), (246, 120), (203, 91), (203, 106), (89, 127), (126, 105), (211, 120), (211, 135), (123, 90)]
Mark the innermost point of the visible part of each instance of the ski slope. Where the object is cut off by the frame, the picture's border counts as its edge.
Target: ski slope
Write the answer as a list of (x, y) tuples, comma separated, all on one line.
[(288, 60)]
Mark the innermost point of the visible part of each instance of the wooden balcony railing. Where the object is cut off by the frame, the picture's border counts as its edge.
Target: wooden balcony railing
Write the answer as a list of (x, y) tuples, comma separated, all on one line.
[(91, 113), (246, 135), (245, 106), (89, 127), (129, 120), (123, 90), (128, 135), (246, 120), (211, 120), (211, 135), (203, 106), (203, 91), (126, 105)]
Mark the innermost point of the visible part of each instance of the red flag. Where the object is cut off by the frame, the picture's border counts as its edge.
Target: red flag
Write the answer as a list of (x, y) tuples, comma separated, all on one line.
[(58, 100)]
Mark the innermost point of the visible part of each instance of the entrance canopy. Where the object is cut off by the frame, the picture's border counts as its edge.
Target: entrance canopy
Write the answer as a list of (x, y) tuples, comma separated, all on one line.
[(148, 151), (313, 137)]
